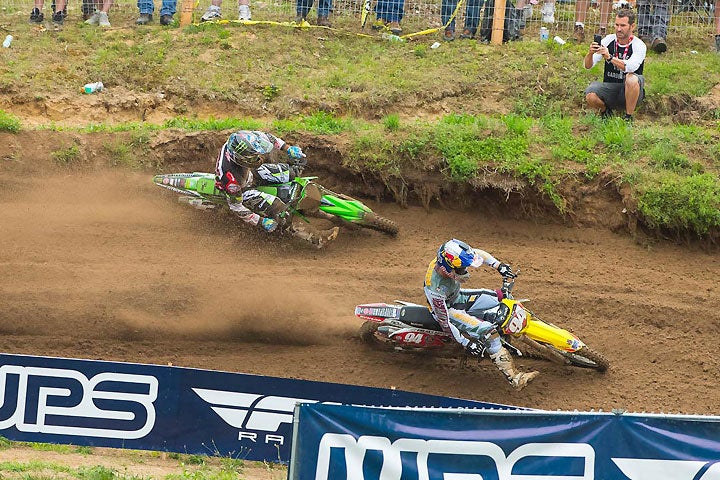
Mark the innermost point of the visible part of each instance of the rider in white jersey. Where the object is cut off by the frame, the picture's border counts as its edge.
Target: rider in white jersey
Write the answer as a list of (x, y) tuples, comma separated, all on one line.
[(473, 325)]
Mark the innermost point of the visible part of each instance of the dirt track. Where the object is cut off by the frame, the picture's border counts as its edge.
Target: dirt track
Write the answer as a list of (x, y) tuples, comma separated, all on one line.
[(116, 270)]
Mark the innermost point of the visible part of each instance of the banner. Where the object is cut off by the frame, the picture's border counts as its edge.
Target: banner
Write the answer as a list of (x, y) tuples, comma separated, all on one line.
[(184, 410), (359, 443)]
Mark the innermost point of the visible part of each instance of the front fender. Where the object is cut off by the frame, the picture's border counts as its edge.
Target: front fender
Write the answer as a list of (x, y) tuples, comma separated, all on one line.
[(550, 334)]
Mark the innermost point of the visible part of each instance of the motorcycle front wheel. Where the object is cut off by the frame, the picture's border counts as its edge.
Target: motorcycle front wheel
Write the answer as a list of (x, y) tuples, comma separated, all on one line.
[(585, 357)]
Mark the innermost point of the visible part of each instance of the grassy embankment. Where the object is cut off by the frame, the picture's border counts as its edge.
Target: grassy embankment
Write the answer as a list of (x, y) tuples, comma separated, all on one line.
[(461, 112)]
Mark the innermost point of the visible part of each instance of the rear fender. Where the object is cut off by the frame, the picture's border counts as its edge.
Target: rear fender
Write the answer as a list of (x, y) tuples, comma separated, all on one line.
[(197, 183), (378, 312)]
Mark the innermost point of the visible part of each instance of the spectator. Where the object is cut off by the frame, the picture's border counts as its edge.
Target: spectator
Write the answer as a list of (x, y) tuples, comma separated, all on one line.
[(653, 19), (100, 17), (581, 10), (548, 11), (472, 18), (623, 84), (323, 11), (148, 6), (389, 14), (89, 7), (59, 12), (717, 26), (214, 12)]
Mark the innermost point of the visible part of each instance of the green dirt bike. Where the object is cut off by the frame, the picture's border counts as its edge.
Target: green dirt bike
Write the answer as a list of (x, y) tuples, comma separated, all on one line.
[(303, 195)]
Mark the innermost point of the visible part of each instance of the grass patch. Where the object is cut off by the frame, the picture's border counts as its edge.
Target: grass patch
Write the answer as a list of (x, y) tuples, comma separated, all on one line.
[(9, 122)]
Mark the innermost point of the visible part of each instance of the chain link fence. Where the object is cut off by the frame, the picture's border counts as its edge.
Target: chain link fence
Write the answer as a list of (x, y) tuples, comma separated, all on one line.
[(689, 17)]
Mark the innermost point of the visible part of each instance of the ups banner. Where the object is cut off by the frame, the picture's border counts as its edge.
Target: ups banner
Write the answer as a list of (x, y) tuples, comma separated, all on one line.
[(359, 443), (184, 410)]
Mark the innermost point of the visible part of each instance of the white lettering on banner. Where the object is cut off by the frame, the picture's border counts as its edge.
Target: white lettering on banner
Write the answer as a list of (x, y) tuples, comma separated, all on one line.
[(36, 418), (251, 411), (391, 469), (649, 469)]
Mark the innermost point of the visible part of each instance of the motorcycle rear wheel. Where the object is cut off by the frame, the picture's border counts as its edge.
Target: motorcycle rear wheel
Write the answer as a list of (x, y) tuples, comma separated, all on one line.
[(373, 221)]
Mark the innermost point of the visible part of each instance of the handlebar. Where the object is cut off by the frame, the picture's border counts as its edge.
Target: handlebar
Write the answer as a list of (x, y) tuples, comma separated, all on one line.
[(508, 284)]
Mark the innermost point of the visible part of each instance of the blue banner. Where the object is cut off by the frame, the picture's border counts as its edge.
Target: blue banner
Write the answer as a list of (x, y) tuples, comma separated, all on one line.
[(359, 443), (184, 410)]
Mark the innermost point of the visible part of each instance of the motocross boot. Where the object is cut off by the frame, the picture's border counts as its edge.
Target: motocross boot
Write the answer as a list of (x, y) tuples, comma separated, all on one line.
[(505, 364), (319, 239)]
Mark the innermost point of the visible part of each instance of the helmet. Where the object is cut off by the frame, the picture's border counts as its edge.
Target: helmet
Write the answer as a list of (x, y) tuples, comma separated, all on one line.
[(453, 258), (246, 148)]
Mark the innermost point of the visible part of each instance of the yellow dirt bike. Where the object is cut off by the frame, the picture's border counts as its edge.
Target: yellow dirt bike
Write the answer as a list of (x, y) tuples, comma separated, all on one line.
[(405, 326)]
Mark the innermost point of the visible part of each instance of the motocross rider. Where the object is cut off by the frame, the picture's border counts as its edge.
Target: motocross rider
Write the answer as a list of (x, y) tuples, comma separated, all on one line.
[(240, 166), (473, 325)]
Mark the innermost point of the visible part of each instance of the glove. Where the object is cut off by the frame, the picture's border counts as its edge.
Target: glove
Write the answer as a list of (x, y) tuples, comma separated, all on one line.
[(474, 349), (505, 270), (295, 152), (268, 224)]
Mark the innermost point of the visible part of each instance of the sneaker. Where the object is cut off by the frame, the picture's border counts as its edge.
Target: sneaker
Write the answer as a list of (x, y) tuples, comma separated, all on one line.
[(36, 16), (212, 13), (466, 35), (395, 28), (628, 118), (659, 45), (323, 21), (379, 24), (94, 19), (166, 19), (144, 19), (64, 10), (103, 20), (449, 36), (244, 12), (58, 18), (578, 35)]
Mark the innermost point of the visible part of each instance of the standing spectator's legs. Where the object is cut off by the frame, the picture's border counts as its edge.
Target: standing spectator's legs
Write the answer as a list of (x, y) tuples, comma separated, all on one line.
[(605, 9), (323, 11), (472, 18), (655, 19), (302, 9), (447, 7), (213, 11), (548, 11), (167, 10), (146, 8), (100, 16), (389, 12), (717, 26), (644, 24), (59, 15), (581, 8), (36, 15), (244, 10)]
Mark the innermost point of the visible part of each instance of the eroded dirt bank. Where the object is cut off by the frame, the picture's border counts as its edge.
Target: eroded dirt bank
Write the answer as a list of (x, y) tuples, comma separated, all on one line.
[(99, 263)]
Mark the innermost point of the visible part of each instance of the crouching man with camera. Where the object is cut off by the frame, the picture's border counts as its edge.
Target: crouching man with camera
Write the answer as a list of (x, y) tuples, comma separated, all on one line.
[(623, 84)]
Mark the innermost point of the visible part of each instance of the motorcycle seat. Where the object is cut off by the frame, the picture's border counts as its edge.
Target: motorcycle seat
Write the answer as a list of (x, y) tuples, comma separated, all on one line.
[(419, 316)]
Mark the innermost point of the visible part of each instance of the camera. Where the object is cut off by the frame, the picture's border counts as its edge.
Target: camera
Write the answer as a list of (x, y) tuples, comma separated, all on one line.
[(597, 38)]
